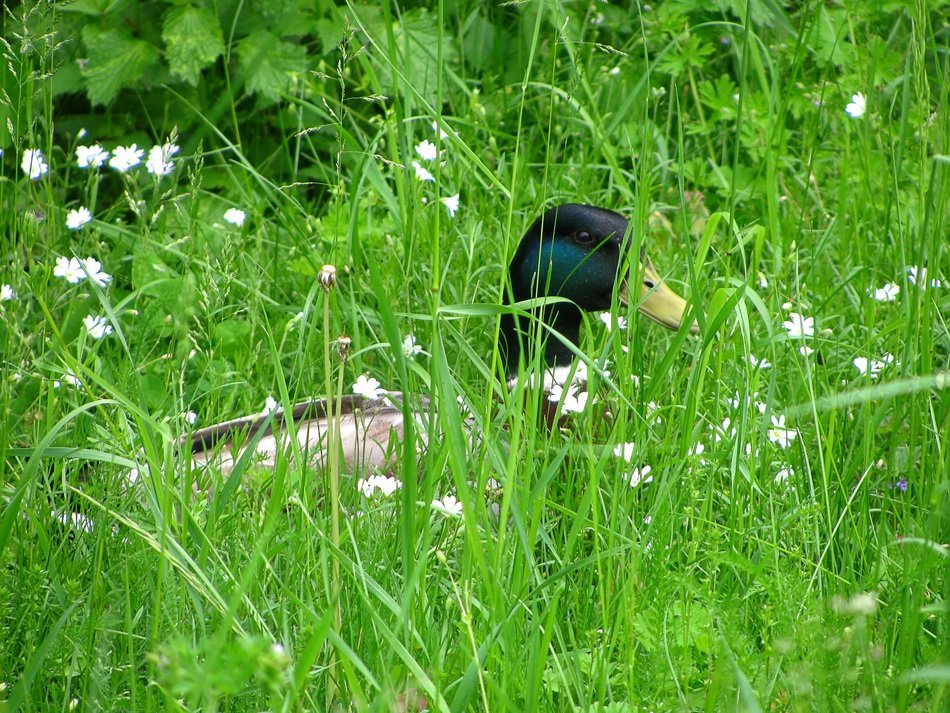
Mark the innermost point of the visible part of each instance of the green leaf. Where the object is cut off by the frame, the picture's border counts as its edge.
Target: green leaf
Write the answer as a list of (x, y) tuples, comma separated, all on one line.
[(116, 60), (193, 40), (232, 336), (417, 45), (268, 64)]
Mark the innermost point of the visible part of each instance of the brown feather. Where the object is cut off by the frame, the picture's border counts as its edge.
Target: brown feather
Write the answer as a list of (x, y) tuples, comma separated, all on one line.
[(369, 431)]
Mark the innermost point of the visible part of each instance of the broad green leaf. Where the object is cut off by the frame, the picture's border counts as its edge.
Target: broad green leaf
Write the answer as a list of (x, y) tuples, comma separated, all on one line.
[(193, 40), (116, 59), (417, 47), (268, 64)]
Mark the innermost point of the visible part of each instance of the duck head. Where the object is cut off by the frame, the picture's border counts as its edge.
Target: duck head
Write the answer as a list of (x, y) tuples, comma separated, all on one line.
[(578, 252)]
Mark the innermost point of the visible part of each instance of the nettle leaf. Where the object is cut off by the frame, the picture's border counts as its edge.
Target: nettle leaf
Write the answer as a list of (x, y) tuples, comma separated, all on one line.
[(193, 40), (417, 46), (116, 60), (268, 64)]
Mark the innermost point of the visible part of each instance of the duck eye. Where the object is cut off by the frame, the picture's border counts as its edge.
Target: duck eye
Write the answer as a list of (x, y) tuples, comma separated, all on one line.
[(583, 237)]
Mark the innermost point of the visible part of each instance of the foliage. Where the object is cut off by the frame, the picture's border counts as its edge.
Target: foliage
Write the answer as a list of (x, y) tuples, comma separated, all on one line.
[(744, 574)]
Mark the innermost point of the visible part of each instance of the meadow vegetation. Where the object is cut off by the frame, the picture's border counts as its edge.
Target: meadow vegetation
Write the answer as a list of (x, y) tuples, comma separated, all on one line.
[(754, 518)]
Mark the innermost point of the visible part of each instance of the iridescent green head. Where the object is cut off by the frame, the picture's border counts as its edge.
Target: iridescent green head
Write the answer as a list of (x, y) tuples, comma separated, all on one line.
[(577, 252)]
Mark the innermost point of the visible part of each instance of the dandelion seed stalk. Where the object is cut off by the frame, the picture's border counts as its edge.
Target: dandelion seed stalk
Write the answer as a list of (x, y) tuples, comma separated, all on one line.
[(327, 279)]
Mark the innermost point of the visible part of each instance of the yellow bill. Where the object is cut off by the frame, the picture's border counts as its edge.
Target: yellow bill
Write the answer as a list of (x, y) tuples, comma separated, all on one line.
[(657, 301)]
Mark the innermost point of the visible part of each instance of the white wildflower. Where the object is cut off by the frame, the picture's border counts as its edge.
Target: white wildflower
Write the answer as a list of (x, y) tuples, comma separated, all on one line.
[(93, 271), (421, 173), (367, 387), (70, 269), (410, 348), (625, 450), (235, 216), (641, 476), (384, 484), (76, 219), (91, 156), (448, 505), (856, 107), (888, 293), (780, 434), (97, 326), (784, 474), (451, 204), (799, 326), (159, 162), (270, 405), (607, 319), (427, 150), (33, 164), (124, 158)]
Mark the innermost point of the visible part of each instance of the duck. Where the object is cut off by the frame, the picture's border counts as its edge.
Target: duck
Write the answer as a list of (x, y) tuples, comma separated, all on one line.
[(574, 252)]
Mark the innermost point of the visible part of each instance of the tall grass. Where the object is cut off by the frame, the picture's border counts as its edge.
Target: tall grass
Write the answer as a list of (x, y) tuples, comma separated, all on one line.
[(735, 574)]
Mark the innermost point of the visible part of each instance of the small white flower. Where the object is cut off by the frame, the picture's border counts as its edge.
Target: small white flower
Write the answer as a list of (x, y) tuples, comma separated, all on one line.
[(615, 71), (190, 417), (806, 351), (91, 156), (235, 216), (856, 107), (448, 505), (451, 204), (97, 326), (427, 150), (435, 128), (124, 158), (888, 293), (421, 173), (918, 276), (70, 379), (384, 484), (33, 164), (872, 367), (697, 449), (779, 434), (69, 268), (784, 474), (625, 450), (799, 326), (759, 363), (574, 400), (93, 270), (159, 161), (367, 387), (76, 520), (641, 476), (81, 134), (75, 219), (7, 293), (409, 347), (763, 282), (607, 319), (726, 430), (270, 405)]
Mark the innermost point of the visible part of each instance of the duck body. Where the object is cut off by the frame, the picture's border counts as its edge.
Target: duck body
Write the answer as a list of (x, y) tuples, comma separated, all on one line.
[(574, 252), (366, 428)]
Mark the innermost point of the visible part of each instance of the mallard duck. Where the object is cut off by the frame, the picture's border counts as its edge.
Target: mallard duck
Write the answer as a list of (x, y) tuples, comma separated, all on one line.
[(575, 252)]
